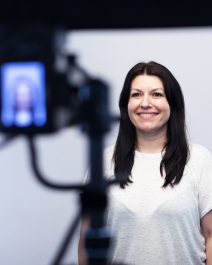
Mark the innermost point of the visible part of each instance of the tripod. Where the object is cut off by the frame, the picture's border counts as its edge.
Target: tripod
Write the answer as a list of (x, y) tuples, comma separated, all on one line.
[(95, 122)]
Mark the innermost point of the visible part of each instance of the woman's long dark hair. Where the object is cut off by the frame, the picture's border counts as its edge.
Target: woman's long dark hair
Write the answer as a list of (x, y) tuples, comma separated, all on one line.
[(176, 149)]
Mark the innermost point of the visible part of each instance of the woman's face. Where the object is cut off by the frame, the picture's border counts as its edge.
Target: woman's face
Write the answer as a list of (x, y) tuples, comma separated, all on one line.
[(148, 108)]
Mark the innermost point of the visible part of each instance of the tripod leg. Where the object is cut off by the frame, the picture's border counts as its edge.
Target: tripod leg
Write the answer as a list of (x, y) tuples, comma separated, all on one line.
[(66, 241)]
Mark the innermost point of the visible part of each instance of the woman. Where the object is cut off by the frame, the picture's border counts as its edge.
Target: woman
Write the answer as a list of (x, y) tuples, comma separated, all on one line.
[(162, 212)]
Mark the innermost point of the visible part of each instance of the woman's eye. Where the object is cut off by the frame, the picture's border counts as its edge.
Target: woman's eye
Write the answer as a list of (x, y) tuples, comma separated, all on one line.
[(157, 94), (136, 94)]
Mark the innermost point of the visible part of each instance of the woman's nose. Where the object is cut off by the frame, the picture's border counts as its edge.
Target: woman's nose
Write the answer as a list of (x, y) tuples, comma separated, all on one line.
[(145, 101)]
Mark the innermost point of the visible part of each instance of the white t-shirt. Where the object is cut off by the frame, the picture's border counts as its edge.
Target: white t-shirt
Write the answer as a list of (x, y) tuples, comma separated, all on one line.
[(154, 225)]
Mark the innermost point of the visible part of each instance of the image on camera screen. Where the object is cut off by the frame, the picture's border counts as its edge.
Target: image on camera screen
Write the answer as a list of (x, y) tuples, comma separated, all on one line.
[(23, 94)]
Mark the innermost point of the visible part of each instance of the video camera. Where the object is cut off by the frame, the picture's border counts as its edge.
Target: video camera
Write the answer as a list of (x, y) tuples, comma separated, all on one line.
[(43, 89)]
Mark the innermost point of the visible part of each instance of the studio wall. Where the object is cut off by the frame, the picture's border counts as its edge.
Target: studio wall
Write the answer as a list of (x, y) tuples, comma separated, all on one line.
[(33, 218)]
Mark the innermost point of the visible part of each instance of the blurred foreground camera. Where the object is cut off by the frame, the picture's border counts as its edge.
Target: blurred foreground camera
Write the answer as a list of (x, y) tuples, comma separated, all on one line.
[(42, 89)]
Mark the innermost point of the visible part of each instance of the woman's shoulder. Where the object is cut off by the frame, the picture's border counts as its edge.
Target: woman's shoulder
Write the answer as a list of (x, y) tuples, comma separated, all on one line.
[(198, 149), (200, 160), (199, 153)]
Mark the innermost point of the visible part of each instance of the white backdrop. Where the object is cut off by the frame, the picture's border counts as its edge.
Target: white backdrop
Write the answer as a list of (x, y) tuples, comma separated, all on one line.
[(33, 219)]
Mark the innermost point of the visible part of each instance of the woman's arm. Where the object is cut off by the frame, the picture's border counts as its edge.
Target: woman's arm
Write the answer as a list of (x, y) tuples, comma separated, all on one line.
[(206, 225)]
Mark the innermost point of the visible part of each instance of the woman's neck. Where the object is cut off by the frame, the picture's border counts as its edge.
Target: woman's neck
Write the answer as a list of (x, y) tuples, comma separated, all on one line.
[(150, 143)]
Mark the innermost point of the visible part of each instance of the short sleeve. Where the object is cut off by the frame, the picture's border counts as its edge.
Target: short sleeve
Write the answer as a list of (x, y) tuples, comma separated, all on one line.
[(205, 185)]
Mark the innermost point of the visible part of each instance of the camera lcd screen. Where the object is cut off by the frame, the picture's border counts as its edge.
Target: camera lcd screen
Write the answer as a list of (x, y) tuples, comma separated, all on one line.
[(23, 95)]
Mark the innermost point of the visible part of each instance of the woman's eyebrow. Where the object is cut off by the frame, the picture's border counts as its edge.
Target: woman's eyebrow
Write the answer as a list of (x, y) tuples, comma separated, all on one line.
[(159, 88), (153, 89)]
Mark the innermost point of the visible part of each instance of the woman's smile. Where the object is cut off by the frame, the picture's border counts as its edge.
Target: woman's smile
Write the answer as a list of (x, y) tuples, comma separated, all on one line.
[(147, 115)]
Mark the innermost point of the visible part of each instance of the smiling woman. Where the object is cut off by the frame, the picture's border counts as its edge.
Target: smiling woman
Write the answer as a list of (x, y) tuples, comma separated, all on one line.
[(162, 211), (152, 120)]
